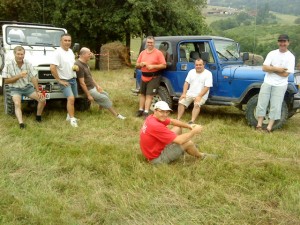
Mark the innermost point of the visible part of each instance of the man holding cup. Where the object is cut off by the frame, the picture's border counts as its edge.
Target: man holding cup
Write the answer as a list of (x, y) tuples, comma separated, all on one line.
[(19, 74)]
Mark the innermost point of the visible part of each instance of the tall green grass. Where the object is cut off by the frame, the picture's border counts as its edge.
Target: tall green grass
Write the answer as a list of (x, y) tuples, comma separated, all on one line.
[(51, 173)]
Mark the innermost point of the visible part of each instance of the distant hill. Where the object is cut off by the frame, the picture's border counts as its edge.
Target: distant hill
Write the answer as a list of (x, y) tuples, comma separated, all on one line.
[(287, 6)]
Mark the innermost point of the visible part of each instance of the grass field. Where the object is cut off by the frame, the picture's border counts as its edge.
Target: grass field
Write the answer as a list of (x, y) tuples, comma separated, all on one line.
[(51, 173)]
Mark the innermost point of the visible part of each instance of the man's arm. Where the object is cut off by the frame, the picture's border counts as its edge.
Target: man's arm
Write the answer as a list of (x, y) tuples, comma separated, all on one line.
[(183, 138), (201, 94), (185, 88), (274, 69), (158, 66), (35, 83), (85, 89), (54, 72), (14, 79), (178, 123)]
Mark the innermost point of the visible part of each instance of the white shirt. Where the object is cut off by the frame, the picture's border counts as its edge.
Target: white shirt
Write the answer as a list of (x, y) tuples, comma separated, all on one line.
[(279, 59), (64, 61), (197, 81)]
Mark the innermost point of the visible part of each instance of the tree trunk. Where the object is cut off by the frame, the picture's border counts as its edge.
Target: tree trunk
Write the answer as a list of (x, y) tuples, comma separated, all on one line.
[(128, 39)]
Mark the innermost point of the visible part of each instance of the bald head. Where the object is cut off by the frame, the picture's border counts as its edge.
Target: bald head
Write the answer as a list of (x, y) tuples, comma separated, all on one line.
[(85, 54)]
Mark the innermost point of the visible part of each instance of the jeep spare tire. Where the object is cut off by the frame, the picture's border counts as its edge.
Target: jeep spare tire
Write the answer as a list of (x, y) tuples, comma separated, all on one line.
[(162, 95), (252, 119), (9, 106)]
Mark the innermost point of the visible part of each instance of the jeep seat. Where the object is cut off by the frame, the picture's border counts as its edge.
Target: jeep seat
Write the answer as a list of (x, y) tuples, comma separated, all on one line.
[(182, 55), (194, 55)]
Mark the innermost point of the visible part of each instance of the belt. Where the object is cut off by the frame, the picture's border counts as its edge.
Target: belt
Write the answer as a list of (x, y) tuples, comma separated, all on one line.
[(150, 74)]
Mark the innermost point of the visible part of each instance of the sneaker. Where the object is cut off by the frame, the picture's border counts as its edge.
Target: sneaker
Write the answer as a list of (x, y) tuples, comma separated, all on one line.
[(68, 117), (190, 122), (145, 115), (119, 116), (22, 126), (38, 118), (209, 156), (139, 113), (73, 122)]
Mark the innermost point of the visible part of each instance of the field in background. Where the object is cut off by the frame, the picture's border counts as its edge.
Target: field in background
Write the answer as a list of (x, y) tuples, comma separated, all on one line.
[(51, 173)]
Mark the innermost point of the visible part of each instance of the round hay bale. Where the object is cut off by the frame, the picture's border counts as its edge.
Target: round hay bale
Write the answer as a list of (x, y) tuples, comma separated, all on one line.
[(254, 60), (114, 56)]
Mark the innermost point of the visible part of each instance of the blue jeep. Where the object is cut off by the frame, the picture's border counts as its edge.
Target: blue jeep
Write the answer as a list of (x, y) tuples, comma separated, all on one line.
[(234, 84)]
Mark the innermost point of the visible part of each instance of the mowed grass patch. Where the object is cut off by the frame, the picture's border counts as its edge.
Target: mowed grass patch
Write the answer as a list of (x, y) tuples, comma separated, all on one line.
[(51, 173)]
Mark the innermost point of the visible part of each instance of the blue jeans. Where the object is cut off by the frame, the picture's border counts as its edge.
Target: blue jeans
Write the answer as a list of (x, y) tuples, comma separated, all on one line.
[(70, 90)]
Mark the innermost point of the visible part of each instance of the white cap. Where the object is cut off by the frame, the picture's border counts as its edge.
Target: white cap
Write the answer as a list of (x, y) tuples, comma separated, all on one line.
[(162, 106)]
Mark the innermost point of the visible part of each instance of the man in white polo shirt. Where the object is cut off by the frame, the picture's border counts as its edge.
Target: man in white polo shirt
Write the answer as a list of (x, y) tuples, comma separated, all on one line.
[(278, 65), (195, 89)]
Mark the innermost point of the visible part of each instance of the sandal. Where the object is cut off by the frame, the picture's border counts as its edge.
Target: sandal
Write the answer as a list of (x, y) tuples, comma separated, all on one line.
[(258, 128)]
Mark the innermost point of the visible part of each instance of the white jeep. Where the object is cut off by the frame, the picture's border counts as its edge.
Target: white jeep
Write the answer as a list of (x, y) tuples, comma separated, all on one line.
[(39, 42)]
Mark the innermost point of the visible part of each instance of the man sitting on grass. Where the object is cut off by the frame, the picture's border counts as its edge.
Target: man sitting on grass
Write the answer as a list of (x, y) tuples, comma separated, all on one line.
[(159, 144)]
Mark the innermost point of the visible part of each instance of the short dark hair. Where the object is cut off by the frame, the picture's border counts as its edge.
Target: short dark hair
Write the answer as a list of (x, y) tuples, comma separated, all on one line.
[(65, 35), (19, 48)]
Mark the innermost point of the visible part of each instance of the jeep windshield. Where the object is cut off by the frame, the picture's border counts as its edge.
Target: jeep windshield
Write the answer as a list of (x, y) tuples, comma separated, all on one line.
[(33, 36), (227, 50)]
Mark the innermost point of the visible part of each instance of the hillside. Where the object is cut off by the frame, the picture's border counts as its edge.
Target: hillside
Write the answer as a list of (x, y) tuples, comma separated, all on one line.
[(287, 6)]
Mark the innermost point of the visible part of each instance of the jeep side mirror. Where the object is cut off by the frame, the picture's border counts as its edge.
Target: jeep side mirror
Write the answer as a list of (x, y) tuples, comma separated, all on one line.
[(245, 56), (205, 56), (76, 47)]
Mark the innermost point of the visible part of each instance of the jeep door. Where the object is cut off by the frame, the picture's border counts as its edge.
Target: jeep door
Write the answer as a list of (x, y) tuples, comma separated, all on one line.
[(188, 52)]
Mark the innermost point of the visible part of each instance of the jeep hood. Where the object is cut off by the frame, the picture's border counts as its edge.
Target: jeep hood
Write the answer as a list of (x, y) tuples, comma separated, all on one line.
[(244, 72), (247, 73)]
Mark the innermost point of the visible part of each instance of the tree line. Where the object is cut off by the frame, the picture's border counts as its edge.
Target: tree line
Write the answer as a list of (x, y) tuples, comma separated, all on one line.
[(96, 22)]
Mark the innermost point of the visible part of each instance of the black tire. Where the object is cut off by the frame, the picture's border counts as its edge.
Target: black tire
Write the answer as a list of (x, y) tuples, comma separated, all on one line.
[(162, 95), (292, 112), (2, 60), (82, 104), (9, 106), (252, 119)]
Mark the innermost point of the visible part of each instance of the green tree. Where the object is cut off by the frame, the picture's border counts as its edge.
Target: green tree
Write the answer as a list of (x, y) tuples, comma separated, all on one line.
[(96, 22)]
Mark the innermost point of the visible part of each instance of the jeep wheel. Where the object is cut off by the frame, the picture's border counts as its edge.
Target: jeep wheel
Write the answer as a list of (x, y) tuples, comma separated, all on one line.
[(292, 112), (9, 106), (82, 104), (252, 119), (162, 95)]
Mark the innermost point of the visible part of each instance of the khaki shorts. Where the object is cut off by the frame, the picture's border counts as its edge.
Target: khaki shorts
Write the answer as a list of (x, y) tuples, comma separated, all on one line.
[(188, 100), (170, 153)]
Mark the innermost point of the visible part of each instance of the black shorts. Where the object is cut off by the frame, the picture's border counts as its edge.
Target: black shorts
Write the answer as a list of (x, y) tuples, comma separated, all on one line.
[(150, 87)]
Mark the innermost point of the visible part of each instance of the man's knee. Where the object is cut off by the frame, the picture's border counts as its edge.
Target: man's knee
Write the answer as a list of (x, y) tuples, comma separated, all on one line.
[(71, 99)]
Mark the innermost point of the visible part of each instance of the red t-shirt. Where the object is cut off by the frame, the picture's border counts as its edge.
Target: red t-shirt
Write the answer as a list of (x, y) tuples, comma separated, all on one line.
[(154, 136), (155, 57)]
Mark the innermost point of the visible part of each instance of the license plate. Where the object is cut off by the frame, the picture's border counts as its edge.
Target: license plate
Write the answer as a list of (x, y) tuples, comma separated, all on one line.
[(47, 96)]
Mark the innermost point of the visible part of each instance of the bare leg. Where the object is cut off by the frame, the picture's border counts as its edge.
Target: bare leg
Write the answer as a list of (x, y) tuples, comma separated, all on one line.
[(270, 125), (191, 149), (148, 102), (142, 101), (181, 109), (195, 112), (18, 111), (111, 109), (70, 106), (41, 104), (260, 121)]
